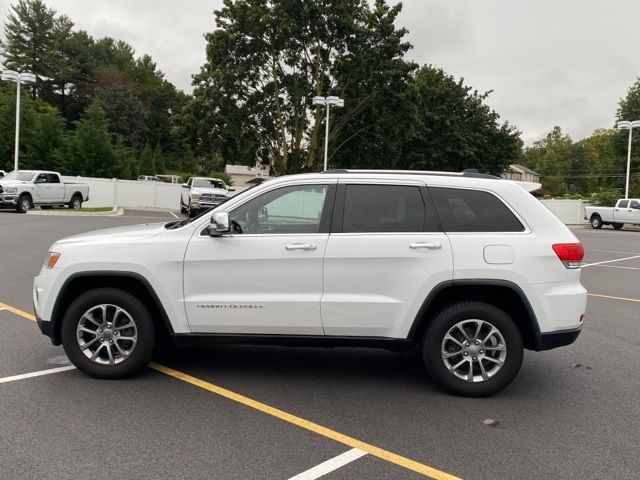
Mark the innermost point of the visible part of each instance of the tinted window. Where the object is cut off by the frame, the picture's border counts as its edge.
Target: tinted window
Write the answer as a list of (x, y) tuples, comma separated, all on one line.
[(53, 178), (42, 178), (473, 211), (623, 203), (296, 209), (382, 208), (634, 204)]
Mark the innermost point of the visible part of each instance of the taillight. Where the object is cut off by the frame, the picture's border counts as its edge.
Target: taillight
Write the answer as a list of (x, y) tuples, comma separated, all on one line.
[(571, 254)]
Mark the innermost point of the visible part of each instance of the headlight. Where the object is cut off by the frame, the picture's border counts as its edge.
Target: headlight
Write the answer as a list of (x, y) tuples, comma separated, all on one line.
[(51, 260), (196, 195), (11, 190)]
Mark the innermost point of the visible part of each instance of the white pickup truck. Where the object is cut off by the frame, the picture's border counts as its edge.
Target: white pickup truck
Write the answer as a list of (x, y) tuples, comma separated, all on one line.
[(24, 189), (627, 210)]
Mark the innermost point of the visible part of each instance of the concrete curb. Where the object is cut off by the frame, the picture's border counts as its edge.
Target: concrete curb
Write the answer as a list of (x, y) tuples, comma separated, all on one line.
[(115, 212)]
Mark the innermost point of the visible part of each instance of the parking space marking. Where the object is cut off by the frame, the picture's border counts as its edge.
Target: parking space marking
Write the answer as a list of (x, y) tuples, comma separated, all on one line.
[(617, 266), (36, 374), (308, 425), (17, 311), (174, 214), (625, 299), (610, 261), (330, 465)]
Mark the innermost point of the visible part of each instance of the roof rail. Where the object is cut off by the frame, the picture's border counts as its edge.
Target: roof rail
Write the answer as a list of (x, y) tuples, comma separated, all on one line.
[(469, 172)]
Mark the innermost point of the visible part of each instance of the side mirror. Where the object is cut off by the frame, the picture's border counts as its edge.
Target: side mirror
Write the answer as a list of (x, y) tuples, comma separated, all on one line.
[(231, 189), (185, 185), (219, 224)]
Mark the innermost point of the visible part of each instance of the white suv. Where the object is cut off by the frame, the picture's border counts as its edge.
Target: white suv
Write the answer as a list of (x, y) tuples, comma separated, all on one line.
[(469, 268)]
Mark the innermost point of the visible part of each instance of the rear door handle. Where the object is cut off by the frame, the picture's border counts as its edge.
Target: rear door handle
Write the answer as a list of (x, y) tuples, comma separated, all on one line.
[(300, 246), (430, 246)]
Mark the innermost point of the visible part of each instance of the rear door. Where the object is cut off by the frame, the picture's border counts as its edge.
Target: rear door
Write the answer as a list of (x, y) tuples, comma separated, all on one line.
[(56, 188), (384, 256)]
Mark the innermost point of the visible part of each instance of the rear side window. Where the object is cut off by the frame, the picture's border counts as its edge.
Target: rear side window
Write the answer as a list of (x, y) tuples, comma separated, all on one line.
[(634, 204), (383, 208), (623, 203), (53, 178), (462, 210)]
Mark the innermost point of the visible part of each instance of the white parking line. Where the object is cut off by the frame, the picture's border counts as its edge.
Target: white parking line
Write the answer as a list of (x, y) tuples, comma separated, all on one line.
[(617, 266), (610, 261), (174, 214), (36, 374), (330, 465)]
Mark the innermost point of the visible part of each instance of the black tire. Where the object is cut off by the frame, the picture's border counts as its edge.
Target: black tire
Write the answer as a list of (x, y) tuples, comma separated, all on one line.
[(191, 212), (448, 318), (24, 203), (596, 222), (146, 332), (75, 203), (617, 226)]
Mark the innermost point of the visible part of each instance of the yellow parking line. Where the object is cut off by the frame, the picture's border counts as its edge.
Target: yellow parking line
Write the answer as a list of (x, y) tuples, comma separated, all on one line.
[(288, 417), (17, 311), (307, 425), (614, 298)]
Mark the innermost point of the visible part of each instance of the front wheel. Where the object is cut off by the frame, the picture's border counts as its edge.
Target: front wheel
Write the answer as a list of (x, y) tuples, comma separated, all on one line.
[(24, 204), (108, 333), (472, 349), (596, 222)]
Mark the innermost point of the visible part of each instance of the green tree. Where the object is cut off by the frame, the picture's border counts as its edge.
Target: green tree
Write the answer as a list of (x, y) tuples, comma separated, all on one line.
[(455, 129), (146, 165), (29, 43), (90, 150), (158, 160), (551, 158)]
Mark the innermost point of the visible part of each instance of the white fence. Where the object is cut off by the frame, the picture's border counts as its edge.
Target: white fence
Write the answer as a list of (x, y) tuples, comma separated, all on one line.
[(104, 192), (571, 212)]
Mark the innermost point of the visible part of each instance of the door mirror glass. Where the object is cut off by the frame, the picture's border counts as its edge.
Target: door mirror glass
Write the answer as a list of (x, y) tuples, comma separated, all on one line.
[(219, 224)]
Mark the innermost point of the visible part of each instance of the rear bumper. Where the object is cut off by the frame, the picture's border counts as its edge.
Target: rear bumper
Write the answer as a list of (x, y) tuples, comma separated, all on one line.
[(550, 340)]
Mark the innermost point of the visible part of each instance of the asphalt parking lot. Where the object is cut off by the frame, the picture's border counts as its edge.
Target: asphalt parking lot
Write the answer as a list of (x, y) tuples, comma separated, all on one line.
[(240, 412)]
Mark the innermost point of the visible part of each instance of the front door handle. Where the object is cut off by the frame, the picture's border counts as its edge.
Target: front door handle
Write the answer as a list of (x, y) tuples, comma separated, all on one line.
[(300, 246), (430, 246)]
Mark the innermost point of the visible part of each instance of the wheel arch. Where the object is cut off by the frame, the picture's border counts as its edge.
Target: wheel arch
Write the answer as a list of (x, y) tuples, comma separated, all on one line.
[(131, 282), (503, 294)]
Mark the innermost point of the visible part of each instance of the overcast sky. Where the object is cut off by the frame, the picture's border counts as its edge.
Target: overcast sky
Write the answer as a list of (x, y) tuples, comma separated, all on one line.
[(548, 62)]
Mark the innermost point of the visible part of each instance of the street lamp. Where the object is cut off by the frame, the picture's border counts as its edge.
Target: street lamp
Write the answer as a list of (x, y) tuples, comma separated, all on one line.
[(625, 124), (19, 78), (328, 102)]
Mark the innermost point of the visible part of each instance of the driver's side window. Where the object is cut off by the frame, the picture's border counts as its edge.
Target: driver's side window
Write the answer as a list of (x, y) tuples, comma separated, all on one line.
[(295, 209), (42, 178)]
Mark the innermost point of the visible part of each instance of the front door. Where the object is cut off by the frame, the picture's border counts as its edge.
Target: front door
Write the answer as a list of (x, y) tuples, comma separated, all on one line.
[(385, 255), (266, 276)]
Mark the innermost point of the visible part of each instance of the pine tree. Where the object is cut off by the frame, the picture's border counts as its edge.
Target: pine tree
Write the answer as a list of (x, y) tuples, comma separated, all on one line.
[(91, 151), (146, 166)]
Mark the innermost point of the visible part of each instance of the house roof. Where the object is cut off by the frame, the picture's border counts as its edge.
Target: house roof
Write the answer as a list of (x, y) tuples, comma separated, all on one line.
[(522, 169)]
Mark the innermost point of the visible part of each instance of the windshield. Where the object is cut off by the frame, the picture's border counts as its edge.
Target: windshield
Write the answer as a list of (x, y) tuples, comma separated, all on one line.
[(22, 176), (207, 183)]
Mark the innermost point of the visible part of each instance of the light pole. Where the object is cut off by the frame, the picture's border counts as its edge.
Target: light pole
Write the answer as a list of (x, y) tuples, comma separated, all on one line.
[(328, 102), (19, 78), (625, 124)]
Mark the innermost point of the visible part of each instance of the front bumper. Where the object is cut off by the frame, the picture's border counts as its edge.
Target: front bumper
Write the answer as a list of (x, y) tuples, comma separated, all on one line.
[(7, 199), (561, 338), (47, 329)]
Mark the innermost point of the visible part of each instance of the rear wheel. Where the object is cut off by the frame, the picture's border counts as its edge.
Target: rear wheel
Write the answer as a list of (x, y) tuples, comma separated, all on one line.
[(24, 203), (76, 202), (108, 333), (596, 222), (472, 349), (617, 226)]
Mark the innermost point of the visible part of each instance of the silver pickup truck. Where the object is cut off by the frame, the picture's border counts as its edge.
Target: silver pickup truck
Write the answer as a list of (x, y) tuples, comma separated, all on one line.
[(627, 210), (25, 189)]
